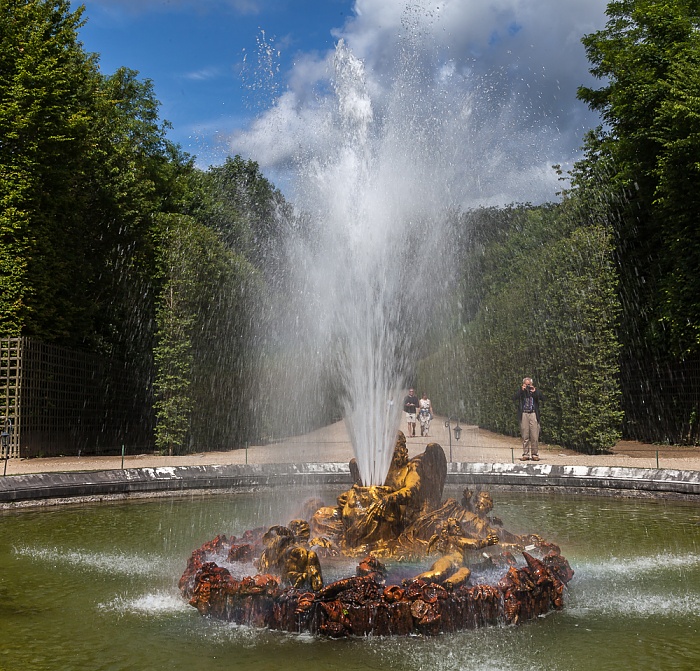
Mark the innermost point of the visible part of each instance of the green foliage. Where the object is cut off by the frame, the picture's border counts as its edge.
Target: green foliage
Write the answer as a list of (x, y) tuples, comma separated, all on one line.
[(111, 240), (548, 309), (677, 129), (247, 212), (643, 165), (646, 54), (92, 254), (135, 174), (204, 367), (84, 165), (175, 318), (46, 82), (577, 345)]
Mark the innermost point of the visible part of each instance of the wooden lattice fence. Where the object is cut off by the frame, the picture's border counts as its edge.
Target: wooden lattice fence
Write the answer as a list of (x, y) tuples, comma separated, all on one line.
[(62, 401), (9, 388)]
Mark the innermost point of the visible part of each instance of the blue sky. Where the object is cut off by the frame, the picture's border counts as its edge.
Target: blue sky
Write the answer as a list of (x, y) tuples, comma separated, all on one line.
[(203, 56), (250, 76)]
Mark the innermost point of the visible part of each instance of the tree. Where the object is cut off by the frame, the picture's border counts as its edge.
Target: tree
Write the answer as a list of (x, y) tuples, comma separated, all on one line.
[(204, 359), (84, 165), (46, 84), (647, 54), (546, 306), (175, 316), (677, 129), (250, 214), (135, 174), (643, 163)]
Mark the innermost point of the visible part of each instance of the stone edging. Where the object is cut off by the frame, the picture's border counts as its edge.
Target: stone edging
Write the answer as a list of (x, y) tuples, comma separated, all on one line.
[(596, 480), (40, 488)]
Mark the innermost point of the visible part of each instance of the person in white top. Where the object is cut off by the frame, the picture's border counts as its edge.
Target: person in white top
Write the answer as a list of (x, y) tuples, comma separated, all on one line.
[(425, 414)]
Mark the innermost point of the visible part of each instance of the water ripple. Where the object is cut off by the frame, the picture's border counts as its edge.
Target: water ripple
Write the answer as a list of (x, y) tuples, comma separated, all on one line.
[(156, 603), (113, 563), (636, 568), (635, 603)]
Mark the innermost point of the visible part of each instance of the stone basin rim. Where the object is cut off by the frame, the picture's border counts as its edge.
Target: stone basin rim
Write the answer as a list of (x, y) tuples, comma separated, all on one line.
[(75, 486)]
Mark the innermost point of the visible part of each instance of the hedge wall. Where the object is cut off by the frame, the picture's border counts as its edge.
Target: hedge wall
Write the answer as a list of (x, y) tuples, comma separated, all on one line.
[(549, 310)]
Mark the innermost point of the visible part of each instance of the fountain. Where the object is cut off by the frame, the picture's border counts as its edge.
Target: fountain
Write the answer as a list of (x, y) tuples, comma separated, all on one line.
[(91, 586), (376, 199), (479, 573)]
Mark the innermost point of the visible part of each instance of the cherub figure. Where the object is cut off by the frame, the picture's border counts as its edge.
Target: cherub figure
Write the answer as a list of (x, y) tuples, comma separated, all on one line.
[(454, 546), (285, 556)]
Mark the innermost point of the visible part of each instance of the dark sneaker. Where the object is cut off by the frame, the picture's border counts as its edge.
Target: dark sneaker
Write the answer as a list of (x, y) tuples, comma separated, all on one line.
[(525, 458)]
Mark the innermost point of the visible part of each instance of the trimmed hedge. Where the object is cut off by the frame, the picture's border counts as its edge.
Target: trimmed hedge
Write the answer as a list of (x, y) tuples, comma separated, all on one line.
[(549, 310)]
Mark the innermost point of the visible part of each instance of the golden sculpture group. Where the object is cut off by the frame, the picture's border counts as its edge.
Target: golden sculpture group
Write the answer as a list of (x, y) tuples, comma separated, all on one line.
[(403, 523)]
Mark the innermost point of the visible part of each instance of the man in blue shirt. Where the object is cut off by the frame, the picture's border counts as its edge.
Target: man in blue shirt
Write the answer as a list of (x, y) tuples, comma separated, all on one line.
[(529, 399)]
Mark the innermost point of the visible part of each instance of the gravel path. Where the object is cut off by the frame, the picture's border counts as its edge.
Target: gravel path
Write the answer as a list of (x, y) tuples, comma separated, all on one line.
[(332, 444)]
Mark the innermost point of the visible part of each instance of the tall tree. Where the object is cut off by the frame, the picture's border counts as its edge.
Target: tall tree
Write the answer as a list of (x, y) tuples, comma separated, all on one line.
[(677, 130), (250, 213), (544, 304), (47, 83), (135, 173), (203, 354), (84, 165), (643, 162)]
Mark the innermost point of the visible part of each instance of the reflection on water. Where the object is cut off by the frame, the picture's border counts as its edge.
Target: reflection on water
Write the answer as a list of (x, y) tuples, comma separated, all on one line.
[(95, 587)]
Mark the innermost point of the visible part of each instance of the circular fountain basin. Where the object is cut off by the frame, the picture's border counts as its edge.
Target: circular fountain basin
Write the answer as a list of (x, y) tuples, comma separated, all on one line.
[(95, 586)]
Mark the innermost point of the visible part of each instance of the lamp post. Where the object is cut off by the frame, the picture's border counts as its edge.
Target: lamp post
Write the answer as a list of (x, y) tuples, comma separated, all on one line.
[(5, 440), (457, 431)]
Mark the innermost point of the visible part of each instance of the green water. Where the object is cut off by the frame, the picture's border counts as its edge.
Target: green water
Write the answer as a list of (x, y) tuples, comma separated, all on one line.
[(90, 588)]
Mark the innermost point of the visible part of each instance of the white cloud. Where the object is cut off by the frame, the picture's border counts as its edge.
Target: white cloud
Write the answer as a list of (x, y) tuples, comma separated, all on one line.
[(204, 74), (496, 81)]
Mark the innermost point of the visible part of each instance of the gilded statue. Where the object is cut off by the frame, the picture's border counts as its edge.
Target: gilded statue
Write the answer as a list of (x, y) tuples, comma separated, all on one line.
[(404, 520), (370, 519), (401, 518), (286, 556), (452, 569)]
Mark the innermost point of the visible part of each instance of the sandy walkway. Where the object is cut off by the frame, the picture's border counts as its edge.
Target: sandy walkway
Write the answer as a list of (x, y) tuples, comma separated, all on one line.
[(332, 444)]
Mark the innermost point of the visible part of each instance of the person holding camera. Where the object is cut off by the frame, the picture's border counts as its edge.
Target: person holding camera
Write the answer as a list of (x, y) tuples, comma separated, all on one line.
[(528, 399)]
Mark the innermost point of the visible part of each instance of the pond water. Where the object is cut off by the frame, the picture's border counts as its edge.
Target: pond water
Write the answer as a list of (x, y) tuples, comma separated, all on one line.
[(90, 588)]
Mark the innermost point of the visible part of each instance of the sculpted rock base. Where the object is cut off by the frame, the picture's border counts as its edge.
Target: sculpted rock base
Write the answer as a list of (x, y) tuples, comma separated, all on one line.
[(362, 604), (480, 573)]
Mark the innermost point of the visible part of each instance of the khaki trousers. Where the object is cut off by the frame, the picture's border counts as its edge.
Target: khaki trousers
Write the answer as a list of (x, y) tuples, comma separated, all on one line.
[(530, 431)]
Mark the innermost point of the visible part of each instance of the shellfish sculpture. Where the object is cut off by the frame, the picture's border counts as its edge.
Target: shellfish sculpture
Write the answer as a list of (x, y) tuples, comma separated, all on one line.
[(425, 566)]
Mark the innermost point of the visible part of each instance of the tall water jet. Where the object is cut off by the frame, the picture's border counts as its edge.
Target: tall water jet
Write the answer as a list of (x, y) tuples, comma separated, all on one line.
[(374, 270)]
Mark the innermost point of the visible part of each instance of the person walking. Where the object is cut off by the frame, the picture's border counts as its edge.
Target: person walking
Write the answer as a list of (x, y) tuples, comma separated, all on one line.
[(410, 406), (529, 398), (425, 414)]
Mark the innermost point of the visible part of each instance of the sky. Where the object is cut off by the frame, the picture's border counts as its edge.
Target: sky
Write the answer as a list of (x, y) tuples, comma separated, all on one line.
[(255, 77)]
